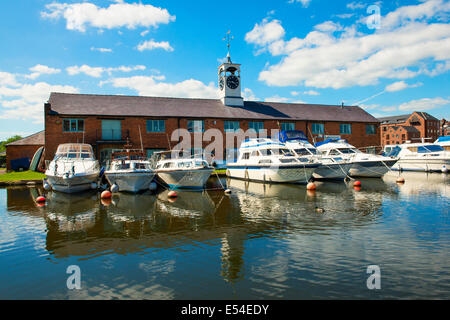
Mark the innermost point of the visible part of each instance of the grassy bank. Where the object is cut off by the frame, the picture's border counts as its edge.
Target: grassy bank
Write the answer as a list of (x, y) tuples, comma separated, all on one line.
[(24, 175)]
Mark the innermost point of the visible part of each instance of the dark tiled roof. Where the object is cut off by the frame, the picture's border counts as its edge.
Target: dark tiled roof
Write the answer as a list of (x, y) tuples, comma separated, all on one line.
[(410, 129), (403, 117), (35, 139), (395, 119), (114, 105)]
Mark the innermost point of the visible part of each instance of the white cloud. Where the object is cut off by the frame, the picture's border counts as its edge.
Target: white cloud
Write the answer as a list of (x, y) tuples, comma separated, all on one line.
[(26, 101), (305, 3), (400, 85), (8, 79), (311, 93), (356, 5), (265, 33), (346, 58), (79, 16), (97, 72), (276, 98), (144, 33), (424, 104), (103, 50), (153, 86), (151, 45), (39, 69), (249, 95)]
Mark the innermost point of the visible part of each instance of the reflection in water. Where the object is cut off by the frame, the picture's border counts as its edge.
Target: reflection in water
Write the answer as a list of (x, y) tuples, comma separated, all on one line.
[(269, 238)]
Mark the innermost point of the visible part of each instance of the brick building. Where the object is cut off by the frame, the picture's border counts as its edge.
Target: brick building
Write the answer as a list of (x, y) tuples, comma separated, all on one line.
[(108, 121), (412, 127), (24, 148)]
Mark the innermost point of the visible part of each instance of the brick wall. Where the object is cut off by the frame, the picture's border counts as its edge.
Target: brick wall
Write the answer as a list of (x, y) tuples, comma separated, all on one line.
[(54, 134), (19, 151)]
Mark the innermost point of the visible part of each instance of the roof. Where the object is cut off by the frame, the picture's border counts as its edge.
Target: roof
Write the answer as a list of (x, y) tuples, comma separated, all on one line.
[(36, 139), (115, 105), (404, 117)]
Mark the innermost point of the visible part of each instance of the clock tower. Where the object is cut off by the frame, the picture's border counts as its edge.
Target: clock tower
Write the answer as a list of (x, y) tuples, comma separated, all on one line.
[(230, 82)]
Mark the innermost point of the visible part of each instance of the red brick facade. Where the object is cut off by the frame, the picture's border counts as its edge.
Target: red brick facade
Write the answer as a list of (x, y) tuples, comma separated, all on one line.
[(415, 126), (130, 126)]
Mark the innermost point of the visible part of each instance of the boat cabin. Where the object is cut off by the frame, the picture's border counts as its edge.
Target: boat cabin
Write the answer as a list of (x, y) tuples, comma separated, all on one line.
[(74, 151)]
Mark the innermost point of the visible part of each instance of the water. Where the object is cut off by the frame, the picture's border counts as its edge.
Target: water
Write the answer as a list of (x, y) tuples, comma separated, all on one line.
[(260, 242)]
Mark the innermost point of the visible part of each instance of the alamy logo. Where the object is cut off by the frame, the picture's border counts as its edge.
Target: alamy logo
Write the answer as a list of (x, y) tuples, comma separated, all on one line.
[(374, 280), (74, 280), (374, 21)]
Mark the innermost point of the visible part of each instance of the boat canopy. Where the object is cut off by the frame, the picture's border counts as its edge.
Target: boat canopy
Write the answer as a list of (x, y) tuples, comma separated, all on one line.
[(443, 139), (321, 143), (429, 148), (288, 135), (75, 151)]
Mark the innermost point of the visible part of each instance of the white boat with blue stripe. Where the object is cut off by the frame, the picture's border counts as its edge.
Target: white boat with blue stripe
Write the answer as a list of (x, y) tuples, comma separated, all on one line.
[(331, 167), (268, 160), (363, 164)]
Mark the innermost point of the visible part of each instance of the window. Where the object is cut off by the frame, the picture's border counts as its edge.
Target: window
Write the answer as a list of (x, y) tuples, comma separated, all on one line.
[(255, 154), (111, 130), (387, 136), (246, 156), (345, 128), (371, 129), (196, 125), (156, 126), (150, 152), (73, 125), (384, 128), (285, 126), (256, 125), (318, 128), (231, 126)]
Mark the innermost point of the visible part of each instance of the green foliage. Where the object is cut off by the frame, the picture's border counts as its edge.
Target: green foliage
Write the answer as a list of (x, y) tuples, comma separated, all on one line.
[(24, 175), (9, 140)]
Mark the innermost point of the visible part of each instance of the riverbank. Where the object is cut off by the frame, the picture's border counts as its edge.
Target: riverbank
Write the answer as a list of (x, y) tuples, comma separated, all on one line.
[(21, 178)]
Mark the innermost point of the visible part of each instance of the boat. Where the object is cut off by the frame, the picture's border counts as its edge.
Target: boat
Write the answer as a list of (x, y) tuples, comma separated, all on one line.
[(444, 142), (422, 156), (363, 164), (331, 167), (130, 171), (180, 172), (73, 169), (268, 160)]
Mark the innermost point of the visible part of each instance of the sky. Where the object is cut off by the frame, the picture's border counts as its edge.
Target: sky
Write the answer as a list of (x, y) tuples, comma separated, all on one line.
[(389, 57)]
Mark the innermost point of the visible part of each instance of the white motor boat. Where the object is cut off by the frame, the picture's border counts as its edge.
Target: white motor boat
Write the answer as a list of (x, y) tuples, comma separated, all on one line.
[(267, 160), (444, 142), (183, 173), (363, 164), (428, 157), (130, 171), (73, 169), (331, 167)]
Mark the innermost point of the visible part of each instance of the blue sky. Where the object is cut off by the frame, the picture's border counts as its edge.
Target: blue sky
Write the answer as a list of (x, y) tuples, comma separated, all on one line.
[(311, 51)]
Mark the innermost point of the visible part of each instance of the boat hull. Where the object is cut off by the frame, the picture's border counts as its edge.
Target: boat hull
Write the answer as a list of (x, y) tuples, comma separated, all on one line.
[(72, 184), (333, 171), (275, 174), (185, 179), (426, 165), (130, 181), (371, 169)]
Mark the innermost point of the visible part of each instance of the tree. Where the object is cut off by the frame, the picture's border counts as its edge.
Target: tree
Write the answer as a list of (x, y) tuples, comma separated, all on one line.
[(9, 140)]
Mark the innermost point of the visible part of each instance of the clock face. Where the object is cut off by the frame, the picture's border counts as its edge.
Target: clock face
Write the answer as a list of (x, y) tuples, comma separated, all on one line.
[(232, 82), (221, 83)]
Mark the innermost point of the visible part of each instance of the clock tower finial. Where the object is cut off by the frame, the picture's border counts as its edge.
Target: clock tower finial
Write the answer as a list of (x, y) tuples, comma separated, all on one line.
[(230, 79), (228, 37)]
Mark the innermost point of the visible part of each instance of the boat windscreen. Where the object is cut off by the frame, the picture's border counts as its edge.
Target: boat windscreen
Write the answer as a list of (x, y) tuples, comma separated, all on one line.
[(429, 148)]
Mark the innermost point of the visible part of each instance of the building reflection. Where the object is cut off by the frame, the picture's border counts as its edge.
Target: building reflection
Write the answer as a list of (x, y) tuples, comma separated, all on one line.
[(85, 226)]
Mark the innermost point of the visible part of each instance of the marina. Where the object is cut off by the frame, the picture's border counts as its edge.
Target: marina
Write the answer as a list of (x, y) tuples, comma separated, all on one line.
[(262, 241)]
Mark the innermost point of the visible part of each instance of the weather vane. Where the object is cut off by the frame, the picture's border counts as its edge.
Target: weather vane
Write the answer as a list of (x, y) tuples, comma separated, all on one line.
[(228, 37)]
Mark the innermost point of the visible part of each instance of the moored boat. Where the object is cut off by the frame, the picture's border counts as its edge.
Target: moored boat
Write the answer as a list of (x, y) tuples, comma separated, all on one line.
[(267, 160), (183, 173), (363, 164), (331, 167), (73, 169), (130, 171), (428, 157)]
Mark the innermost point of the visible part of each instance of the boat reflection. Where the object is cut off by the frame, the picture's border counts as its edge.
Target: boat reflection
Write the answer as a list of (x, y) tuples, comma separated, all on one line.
[(420, 183)]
